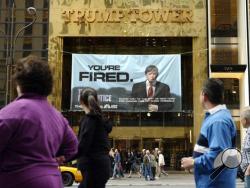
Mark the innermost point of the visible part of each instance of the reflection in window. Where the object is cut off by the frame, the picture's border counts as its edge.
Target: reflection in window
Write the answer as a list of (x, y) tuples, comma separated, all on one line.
[(151, 143), (46, 4), (44, 52), (224, 18), (28, 30), (29, 3), (178, 119), (152, 119), (45, 29), (231, 93), (224, 54), (127, 119)]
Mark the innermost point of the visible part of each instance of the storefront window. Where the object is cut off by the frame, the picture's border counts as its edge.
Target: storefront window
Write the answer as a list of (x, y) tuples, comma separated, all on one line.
[(223, 18), (231, 93), (225, 54), (127, 119)]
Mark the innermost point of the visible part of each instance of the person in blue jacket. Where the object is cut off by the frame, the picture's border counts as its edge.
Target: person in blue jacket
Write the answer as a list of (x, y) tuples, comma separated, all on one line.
[(217, 133)]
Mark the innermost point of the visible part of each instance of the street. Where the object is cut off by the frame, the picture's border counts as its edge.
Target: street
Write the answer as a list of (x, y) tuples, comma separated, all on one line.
[(171, 181)]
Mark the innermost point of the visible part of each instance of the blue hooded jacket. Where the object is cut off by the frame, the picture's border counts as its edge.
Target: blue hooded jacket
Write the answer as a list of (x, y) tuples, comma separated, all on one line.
[(217, 133)]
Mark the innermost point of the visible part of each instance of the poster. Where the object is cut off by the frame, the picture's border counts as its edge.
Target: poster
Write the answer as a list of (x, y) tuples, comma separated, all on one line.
[(121, 81)]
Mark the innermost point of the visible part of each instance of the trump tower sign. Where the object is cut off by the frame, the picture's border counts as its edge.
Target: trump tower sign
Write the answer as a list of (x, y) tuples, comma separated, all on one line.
[(114, 76)]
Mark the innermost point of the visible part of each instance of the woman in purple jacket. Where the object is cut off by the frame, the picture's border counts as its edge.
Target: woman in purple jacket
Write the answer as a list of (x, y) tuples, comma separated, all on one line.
[(34, 135)]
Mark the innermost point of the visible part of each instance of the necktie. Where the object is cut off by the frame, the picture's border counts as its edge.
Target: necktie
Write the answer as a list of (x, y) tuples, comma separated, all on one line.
[(150, 91)]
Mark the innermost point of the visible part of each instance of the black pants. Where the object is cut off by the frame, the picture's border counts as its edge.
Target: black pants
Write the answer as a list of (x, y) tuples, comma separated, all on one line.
[(153, 169), (96, 173)]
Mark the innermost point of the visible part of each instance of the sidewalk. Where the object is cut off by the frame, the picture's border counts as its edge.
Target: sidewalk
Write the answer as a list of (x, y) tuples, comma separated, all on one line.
[(173, 179)]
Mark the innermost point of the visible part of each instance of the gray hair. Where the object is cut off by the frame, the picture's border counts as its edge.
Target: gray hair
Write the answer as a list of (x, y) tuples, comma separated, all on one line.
[(245, 113)]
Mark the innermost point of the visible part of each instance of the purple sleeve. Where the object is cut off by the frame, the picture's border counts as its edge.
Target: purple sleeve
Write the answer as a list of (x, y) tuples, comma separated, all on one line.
[(5, 134), (69, 144)]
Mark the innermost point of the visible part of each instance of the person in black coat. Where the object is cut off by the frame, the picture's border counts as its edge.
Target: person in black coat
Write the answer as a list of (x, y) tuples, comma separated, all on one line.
[(93, 149), (151, 95)]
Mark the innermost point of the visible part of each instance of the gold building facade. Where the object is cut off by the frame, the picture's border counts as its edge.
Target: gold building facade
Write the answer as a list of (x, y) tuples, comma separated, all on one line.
[(135, 27), (212, 38)]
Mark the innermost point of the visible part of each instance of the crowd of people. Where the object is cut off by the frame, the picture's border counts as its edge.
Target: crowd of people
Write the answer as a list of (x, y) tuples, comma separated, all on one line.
[(36, 138), (147, 164)]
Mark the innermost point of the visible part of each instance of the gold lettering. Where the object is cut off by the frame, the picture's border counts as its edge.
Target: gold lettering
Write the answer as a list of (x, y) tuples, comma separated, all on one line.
[(99, 18), (188, 16), (66, 15), (161, 15), (105, 15), (112, 16), (133, 15), (79, 18), (90, 16), (176, 16), (145, 15), (118, 16)]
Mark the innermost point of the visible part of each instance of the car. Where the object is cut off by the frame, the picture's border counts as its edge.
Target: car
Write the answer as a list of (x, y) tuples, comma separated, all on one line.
[(70, 175)]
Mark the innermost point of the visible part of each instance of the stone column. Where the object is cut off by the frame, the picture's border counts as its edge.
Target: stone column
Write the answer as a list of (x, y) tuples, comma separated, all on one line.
[(199, 75), (243, 40)]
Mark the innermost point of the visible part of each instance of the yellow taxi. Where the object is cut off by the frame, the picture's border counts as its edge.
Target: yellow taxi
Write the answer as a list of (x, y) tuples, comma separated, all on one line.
[(70, 175)]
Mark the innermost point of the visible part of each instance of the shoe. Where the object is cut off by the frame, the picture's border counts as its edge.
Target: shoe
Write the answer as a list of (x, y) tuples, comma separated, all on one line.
[(112, 178), (156, 177)]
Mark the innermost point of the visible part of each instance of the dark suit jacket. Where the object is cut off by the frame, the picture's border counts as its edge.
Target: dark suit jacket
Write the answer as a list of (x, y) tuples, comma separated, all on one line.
[(161, 91)]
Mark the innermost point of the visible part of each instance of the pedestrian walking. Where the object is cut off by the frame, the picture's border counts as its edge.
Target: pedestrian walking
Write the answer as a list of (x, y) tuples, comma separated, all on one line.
[(157, 161), (245, 121), (118, 170), (35, 137), (147, 166), (93, 149), (217, 133), (133, 164), (153, 164), (161, 164), (142, 168)]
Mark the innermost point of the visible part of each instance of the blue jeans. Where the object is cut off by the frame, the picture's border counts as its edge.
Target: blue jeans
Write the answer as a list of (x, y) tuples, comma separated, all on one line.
[(148, 172), (247, 181), (117, 170), (142, 170)]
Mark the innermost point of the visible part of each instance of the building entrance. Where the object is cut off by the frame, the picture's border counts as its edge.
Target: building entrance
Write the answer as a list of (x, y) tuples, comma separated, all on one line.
[(173, 149)]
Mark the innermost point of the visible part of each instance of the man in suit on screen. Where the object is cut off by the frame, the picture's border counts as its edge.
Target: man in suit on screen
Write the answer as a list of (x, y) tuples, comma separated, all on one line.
[(151, 95)]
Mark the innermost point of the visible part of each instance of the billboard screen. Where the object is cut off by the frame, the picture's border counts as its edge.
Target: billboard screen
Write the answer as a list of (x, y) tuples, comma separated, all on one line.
[(129, 83)]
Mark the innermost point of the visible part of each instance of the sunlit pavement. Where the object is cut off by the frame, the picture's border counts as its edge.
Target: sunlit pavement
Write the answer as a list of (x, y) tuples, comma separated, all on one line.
[(180, 180)]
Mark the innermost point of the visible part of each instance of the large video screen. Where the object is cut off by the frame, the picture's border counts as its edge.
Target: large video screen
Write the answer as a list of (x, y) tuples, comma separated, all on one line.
[(129, 83)]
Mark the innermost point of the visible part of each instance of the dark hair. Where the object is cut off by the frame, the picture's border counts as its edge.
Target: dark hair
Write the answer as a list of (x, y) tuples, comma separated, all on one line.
[(151, 68), (33, 75), (89, 98), (214, 90)]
